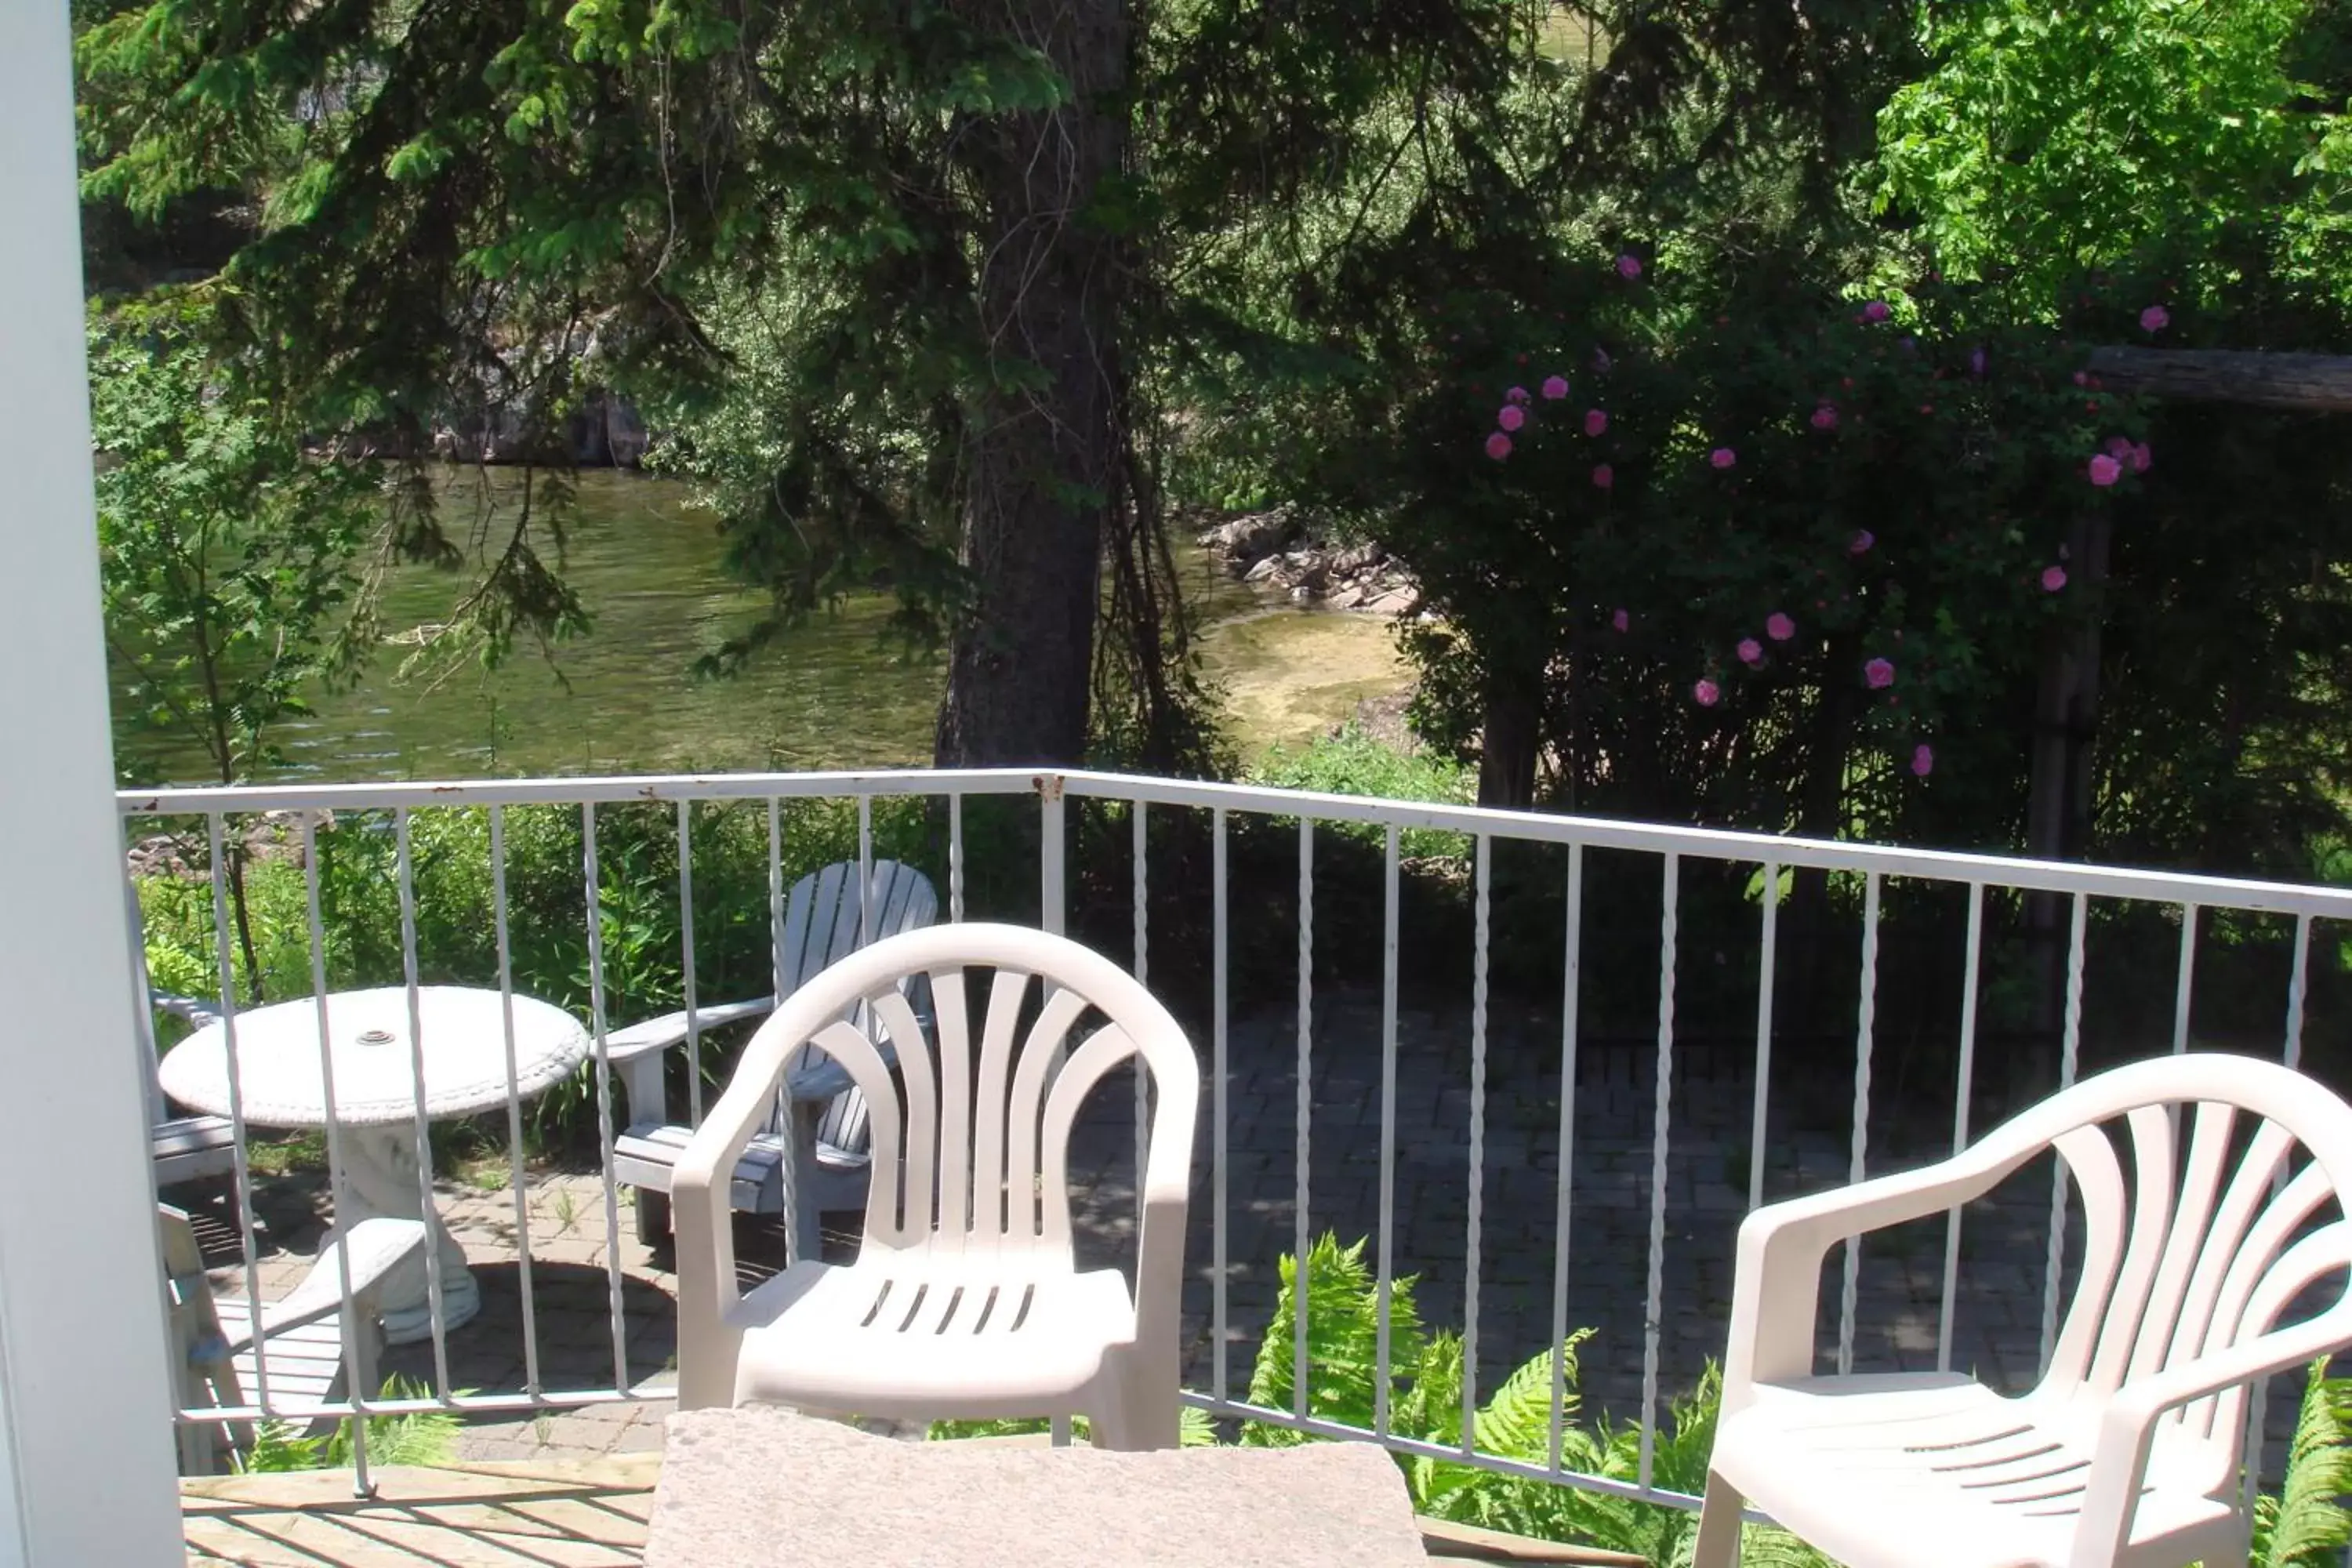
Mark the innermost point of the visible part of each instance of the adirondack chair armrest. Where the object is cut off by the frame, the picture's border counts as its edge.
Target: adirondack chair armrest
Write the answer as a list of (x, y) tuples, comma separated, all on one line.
[(2127, 1426), (374, 1247), (196, 1010), (1777, 1278), (636, 1052)]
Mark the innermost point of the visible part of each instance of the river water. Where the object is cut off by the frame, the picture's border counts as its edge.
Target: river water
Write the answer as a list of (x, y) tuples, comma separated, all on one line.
[(839, 692)]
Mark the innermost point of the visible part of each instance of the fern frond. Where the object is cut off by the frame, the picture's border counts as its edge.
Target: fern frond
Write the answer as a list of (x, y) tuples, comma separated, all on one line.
[(2304, 1525), (1342, 1339)]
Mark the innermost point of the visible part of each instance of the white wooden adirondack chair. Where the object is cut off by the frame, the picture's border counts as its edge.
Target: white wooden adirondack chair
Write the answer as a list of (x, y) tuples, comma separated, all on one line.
[(2127, 1453), (965, 1299), (301, 1340), (185, 1147), (822, 924)]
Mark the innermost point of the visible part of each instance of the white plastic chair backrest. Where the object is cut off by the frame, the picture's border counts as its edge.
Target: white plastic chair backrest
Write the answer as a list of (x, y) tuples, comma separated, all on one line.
[(970, 1142), (2188, 1257), (825, 922)]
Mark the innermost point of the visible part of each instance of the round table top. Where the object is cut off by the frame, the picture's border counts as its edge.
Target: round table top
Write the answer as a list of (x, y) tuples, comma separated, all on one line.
[(462, 1029)]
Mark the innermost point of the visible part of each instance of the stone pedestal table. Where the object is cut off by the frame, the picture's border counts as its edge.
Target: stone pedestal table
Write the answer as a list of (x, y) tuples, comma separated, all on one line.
[(461, 1040)]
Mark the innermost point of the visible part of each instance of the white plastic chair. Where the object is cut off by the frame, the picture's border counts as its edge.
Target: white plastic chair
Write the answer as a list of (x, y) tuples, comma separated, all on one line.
[(965, 1300), (822, 924), (2127, 1453)]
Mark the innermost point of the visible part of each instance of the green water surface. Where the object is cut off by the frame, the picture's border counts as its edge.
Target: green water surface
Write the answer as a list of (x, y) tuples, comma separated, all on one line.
[(839, 692)]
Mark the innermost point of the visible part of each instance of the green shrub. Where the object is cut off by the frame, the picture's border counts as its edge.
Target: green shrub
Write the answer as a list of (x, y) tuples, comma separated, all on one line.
[(413, 1438), (1353, 762)]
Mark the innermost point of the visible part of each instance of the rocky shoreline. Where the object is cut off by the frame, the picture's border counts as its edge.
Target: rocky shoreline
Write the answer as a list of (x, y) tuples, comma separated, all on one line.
[(1283, 551)]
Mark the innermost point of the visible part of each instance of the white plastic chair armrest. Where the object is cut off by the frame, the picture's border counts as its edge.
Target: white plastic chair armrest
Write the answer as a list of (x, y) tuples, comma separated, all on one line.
[(374, 1246), (1777, 1278), (2128, 1425)]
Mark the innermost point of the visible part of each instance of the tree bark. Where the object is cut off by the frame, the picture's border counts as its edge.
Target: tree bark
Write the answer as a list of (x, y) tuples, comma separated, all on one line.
[(2318, 383), (1044, 443), (2061, 796), (1509, 737)]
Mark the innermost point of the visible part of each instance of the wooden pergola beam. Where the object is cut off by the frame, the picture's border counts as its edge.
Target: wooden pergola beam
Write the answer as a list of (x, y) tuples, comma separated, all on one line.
[(2312, 384)]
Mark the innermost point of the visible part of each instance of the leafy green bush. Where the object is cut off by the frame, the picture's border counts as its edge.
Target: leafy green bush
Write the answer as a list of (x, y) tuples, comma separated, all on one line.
[(1356, 763), (413, 1438)]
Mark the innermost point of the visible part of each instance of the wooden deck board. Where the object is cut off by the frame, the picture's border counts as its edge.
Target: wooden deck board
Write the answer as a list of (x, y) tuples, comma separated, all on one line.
[(589, 1514)]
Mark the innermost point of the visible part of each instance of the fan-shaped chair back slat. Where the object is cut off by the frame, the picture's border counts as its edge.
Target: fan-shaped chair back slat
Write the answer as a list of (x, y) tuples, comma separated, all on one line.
[(966, 1160)]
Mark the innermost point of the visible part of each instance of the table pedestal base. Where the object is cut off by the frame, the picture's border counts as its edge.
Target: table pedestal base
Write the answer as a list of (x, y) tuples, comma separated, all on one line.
[(380, 1179)]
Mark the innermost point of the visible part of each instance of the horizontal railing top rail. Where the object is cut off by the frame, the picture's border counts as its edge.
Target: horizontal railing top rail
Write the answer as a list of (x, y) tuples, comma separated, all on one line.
[(1591, 832)]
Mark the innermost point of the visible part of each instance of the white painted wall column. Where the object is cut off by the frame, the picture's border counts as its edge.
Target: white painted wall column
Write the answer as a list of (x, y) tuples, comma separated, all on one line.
[(86, 1459)]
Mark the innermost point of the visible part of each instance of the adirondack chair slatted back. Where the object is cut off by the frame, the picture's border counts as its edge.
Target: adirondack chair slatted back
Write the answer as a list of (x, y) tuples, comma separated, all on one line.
[(2193, 1255), (970, 1135), (825, 922)]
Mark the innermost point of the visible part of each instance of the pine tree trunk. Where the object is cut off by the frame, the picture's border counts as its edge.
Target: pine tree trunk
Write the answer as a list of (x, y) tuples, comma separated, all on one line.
[(1044, 446)]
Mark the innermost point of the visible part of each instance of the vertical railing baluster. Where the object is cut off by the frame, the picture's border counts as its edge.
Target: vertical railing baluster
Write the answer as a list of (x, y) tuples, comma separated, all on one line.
[(1661, 1113), (1385, 1289), (531, 1378), (865, 870), (1052, 891), (1478, 961), (226, 967), (2181, 1000), (1217, 1067), (2069, 1057), (1964, 1091), (603, 1095), (2258, 1396), (337, 1190), (689, 993), (1142, 937), (1305, 1105), (2298, 987), (1571, 989), (1864, 1029), (955, 860), (776, 900), (437, 1316), (1760, 1114)]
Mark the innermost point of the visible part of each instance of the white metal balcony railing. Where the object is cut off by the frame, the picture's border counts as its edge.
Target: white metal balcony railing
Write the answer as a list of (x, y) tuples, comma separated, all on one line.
[(1632, 1187)]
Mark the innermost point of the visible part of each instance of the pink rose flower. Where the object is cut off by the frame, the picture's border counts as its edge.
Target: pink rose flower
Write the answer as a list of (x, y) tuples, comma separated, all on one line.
[(1751, 652), (2053, 579), (1863, 539), (1595, 422), (1879, 673), (1825, 417), (1707, 693), (1976, 363), (1498, 445), (1779, 628), (1722, 456), (1510, 416), (1923, 761), (2104, 470), (1603, 476), (2120, 448), (1555, 387), (2081, 378), (2154, 318), (1629, 265), (1875, 311), (2141, 458), (1517, 395), (1621, 621)]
